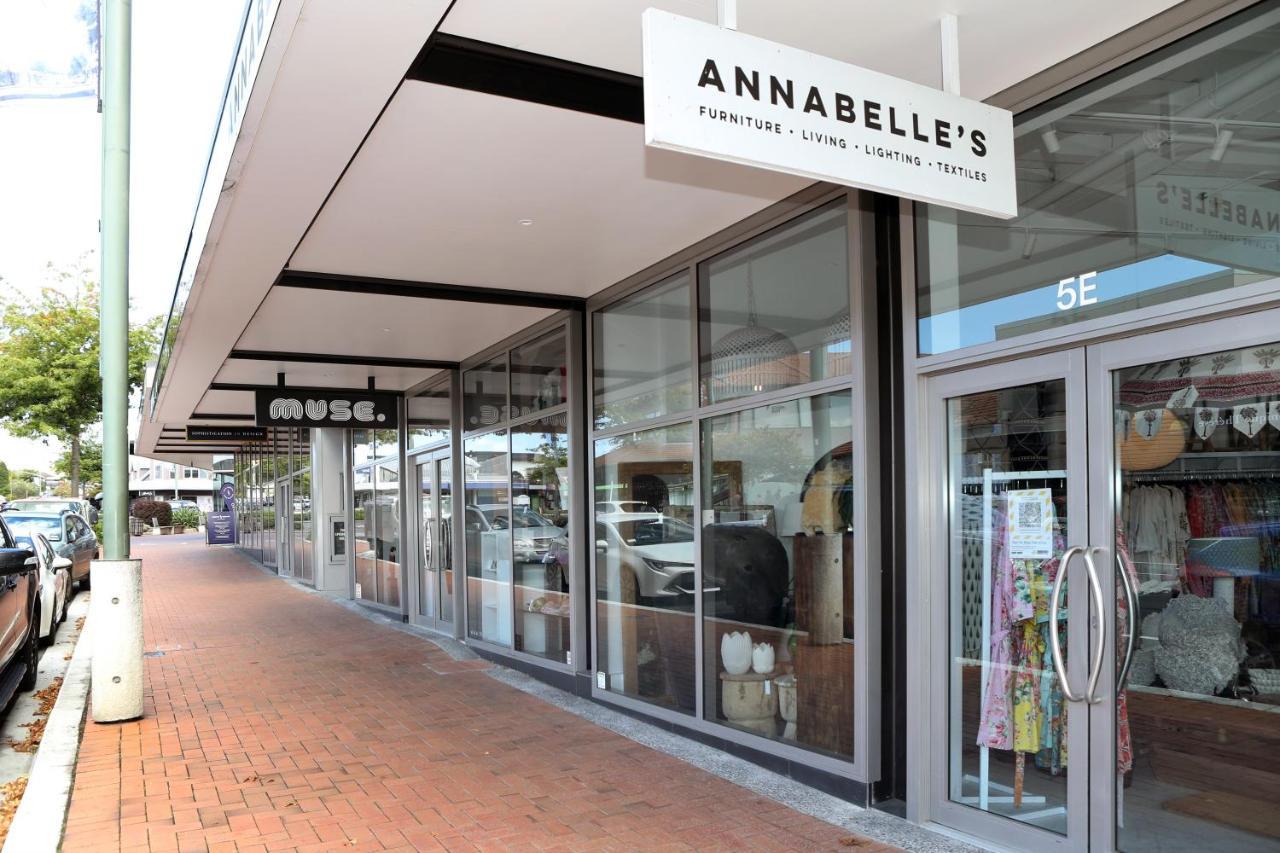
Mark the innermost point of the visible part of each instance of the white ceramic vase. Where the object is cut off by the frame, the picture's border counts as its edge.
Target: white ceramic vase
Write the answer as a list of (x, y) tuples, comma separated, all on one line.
[(735, 652), (762, 658)]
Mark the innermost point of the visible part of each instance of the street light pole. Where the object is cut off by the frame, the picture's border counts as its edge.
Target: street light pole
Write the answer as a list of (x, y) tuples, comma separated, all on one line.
[(116, 603)]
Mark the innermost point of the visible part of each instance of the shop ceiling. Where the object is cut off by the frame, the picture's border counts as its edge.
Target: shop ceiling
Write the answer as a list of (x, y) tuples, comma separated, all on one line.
[(415, 180)]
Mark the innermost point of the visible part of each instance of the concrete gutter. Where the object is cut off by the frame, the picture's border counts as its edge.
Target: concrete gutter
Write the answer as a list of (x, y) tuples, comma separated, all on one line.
[(42, 814)]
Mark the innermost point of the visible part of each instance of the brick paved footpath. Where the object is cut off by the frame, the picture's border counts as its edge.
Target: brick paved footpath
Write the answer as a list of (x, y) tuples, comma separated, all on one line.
[(278, 720)]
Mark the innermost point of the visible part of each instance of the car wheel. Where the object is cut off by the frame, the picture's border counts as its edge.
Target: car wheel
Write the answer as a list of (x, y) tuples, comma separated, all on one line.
[(31, 653), (84, 582)]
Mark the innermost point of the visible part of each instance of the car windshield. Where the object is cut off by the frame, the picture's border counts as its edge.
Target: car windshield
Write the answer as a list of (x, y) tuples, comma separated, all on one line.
[(49, 526), (654, 531), (41, 506)]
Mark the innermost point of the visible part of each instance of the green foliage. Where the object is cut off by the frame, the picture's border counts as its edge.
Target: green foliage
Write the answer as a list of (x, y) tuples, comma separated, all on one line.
[(146, 510), (4, 479), (49, 382), (90, 464), (186, 517)]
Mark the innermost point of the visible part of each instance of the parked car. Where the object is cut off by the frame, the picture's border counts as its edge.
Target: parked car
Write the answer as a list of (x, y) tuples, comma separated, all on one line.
[(83, 508), (183, 503), (19, 616), (656, 549), (68, 533), (55, 581), (533, 533), (623, 506)]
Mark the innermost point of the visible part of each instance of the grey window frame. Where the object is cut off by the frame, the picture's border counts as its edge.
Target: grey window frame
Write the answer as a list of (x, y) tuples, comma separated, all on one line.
[(862, 381)]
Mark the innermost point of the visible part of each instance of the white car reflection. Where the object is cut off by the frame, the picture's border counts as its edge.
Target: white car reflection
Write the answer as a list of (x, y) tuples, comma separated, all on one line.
[(656, 549)]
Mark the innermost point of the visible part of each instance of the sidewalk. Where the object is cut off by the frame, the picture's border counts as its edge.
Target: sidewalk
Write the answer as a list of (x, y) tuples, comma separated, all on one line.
[(278, 720)]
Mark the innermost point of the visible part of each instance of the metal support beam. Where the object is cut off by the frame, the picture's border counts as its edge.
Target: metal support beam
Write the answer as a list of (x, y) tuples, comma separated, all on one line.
[(245, 386), (332, 358), (369, 286)]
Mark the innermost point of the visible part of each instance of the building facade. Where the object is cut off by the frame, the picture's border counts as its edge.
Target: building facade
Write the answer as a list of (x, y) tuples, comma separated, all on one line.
[(970, 517)]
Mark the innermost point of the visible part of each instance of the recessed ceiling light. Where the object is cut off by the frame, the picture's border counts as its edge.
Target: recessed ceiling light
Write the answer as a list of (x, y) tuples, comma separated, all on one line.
[(524, 221), (385, 329)]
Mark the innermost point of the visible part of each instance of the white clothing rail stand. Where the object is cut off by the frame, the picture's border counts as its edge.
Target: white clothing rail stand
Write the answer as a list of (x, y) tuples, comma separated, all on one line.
[(1003, 793)]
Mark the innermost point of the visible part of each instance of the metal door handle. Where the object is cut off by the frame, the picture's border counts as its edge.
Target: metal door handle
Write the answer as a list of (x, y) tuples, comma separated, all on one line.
[(1055, 645), (1131, 597), (1095, 583)]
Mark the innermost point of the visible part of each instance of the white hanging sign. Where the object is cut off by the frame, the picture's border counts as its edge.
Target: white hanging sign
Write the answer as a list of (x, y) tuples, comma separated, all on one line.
[(1206, 420), (720, 93), (1250, 417)]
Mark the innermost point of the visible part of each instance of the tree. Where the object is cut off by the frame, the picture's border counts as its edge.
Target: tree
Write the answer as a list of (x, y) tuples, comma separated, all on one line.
[(49, 381), (90, 464), (4, 479)]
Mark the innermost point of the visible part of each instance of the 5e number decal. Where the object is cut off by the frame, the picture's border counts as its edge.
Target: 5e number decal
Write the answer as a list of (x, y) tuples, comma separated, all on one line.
[(1077, 291)]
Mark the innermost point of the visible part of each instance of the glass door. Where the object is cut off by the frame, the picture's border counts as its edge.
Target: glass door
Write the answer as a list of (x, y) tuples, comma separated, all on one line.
[(1013, 570), (284, 528), (1185, 456), (435, 532)]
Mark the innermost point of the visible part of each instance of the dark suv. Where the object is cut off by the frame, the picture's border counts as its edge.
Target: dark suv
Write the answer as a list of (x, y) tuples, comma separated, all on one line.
[(19, 616)]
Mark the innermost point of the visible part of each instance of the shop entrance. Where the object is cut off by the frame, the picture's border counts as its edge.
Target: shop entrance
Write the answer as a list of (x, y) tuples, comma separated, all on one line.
[(1107, 541), (435, 535)]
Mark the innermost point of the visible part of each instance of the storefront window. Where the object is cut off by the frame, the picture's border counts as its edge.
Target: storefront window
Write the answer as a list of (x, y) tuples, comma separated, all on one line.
[(484, 395), (488, 537), (538, 375), (644, 545), (429, 417), (642, 353), (386, 532), (1157, 187), (540, 535), (777, 571), (775, 313), (364, 541)]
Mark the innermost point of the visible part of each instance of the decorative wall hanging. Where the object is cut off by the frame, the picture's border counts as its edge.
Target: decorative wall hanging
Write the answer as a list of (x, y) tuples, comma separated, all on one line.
[(1206, 420), (1249, 418)]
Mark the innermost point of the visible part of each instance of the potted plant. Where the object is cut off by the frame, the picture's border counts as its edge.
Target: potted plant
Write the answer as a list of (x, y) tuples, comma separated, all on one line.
[(186, 520)]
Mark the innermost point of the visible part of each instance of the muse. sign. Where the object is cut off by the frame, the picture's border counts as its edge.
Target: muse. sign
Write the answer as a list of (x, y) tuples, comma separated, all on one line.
[(719, 93), (289, 407)]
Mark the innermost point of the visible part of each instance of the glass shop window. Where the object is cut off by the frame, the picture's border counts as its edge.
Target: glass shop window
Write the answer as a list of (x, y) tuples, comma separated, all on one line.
[(775, 312), (1157, 186), (777, 571), (429, 416), (642, 353), (644, 544), (538, 375), (484, 395)]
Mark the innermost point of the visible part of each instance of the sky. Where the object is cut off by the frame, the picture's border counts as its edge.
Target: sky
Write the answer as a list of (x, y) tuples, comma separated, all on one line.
[(50, 149)]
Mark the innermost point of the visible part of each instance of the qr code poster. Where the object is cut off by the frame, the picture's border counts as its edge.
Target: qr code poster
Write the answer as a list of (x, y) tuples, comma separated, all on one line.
[(1031, 524)]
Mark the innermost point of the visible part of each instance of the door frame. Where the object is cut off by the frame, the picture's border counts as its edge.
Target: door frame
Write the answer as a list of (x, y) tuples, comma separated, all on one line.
[(430, 616), (1245, 330), (942, 583)]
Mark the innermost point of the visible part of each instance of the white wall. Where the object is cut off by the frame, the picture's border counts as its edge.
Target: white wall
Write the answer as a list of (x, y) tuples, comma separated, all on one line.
[(328, 479)]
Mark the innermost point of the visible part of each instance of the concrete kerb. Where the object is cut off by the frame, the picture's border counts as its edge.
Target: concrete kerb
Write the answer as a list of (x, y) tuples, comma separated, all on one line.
[(37, 826)]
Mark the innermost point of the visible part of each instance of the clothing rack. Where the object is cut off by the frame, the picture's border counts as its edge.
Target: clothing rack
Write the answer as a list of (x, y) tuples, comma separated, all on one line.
[(1191, 476), (984, 798)]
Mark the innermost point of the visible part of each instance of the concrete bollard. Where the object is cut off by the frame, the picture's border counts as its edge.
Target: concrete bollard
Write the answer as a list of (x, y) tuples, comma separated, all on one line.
[(115, 612)]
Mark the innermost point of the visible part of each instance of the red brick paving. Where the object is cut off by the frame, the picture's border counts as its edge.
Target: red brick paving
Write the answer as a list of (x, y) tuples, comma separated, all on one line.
[(277, 720)]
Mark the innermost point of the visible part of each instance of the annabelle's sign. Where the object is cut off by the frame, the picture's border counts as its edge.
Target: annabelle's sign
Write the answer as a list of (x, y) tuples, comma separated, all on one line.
[(291, 407), (723, 94)]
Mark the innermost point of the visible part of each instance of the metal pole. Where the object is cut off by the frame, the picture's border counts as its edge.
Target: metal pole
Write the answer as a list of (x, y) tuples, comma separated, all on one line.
[(115, 607), (115, 280)]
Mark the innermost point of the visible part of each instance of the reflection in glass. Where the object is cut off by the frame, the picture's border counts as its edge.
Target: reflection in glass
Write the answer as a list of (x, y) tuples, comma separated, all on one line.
[(777, 571), (644, 552), (429, 417), (363, 540), (540, 535), (643, 355), (1007, 452), (538, 375), (1197, 443), (444, 538), (1161, 184), (386, 531), (427, 533), (301, 527), (756, 334), (484, 395), (488, 537)]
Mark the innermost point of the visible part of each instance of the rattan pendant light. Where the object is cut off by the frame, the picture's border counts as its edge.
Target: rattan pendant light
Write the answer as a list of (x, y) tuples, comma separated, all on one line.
[(752, 359)]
